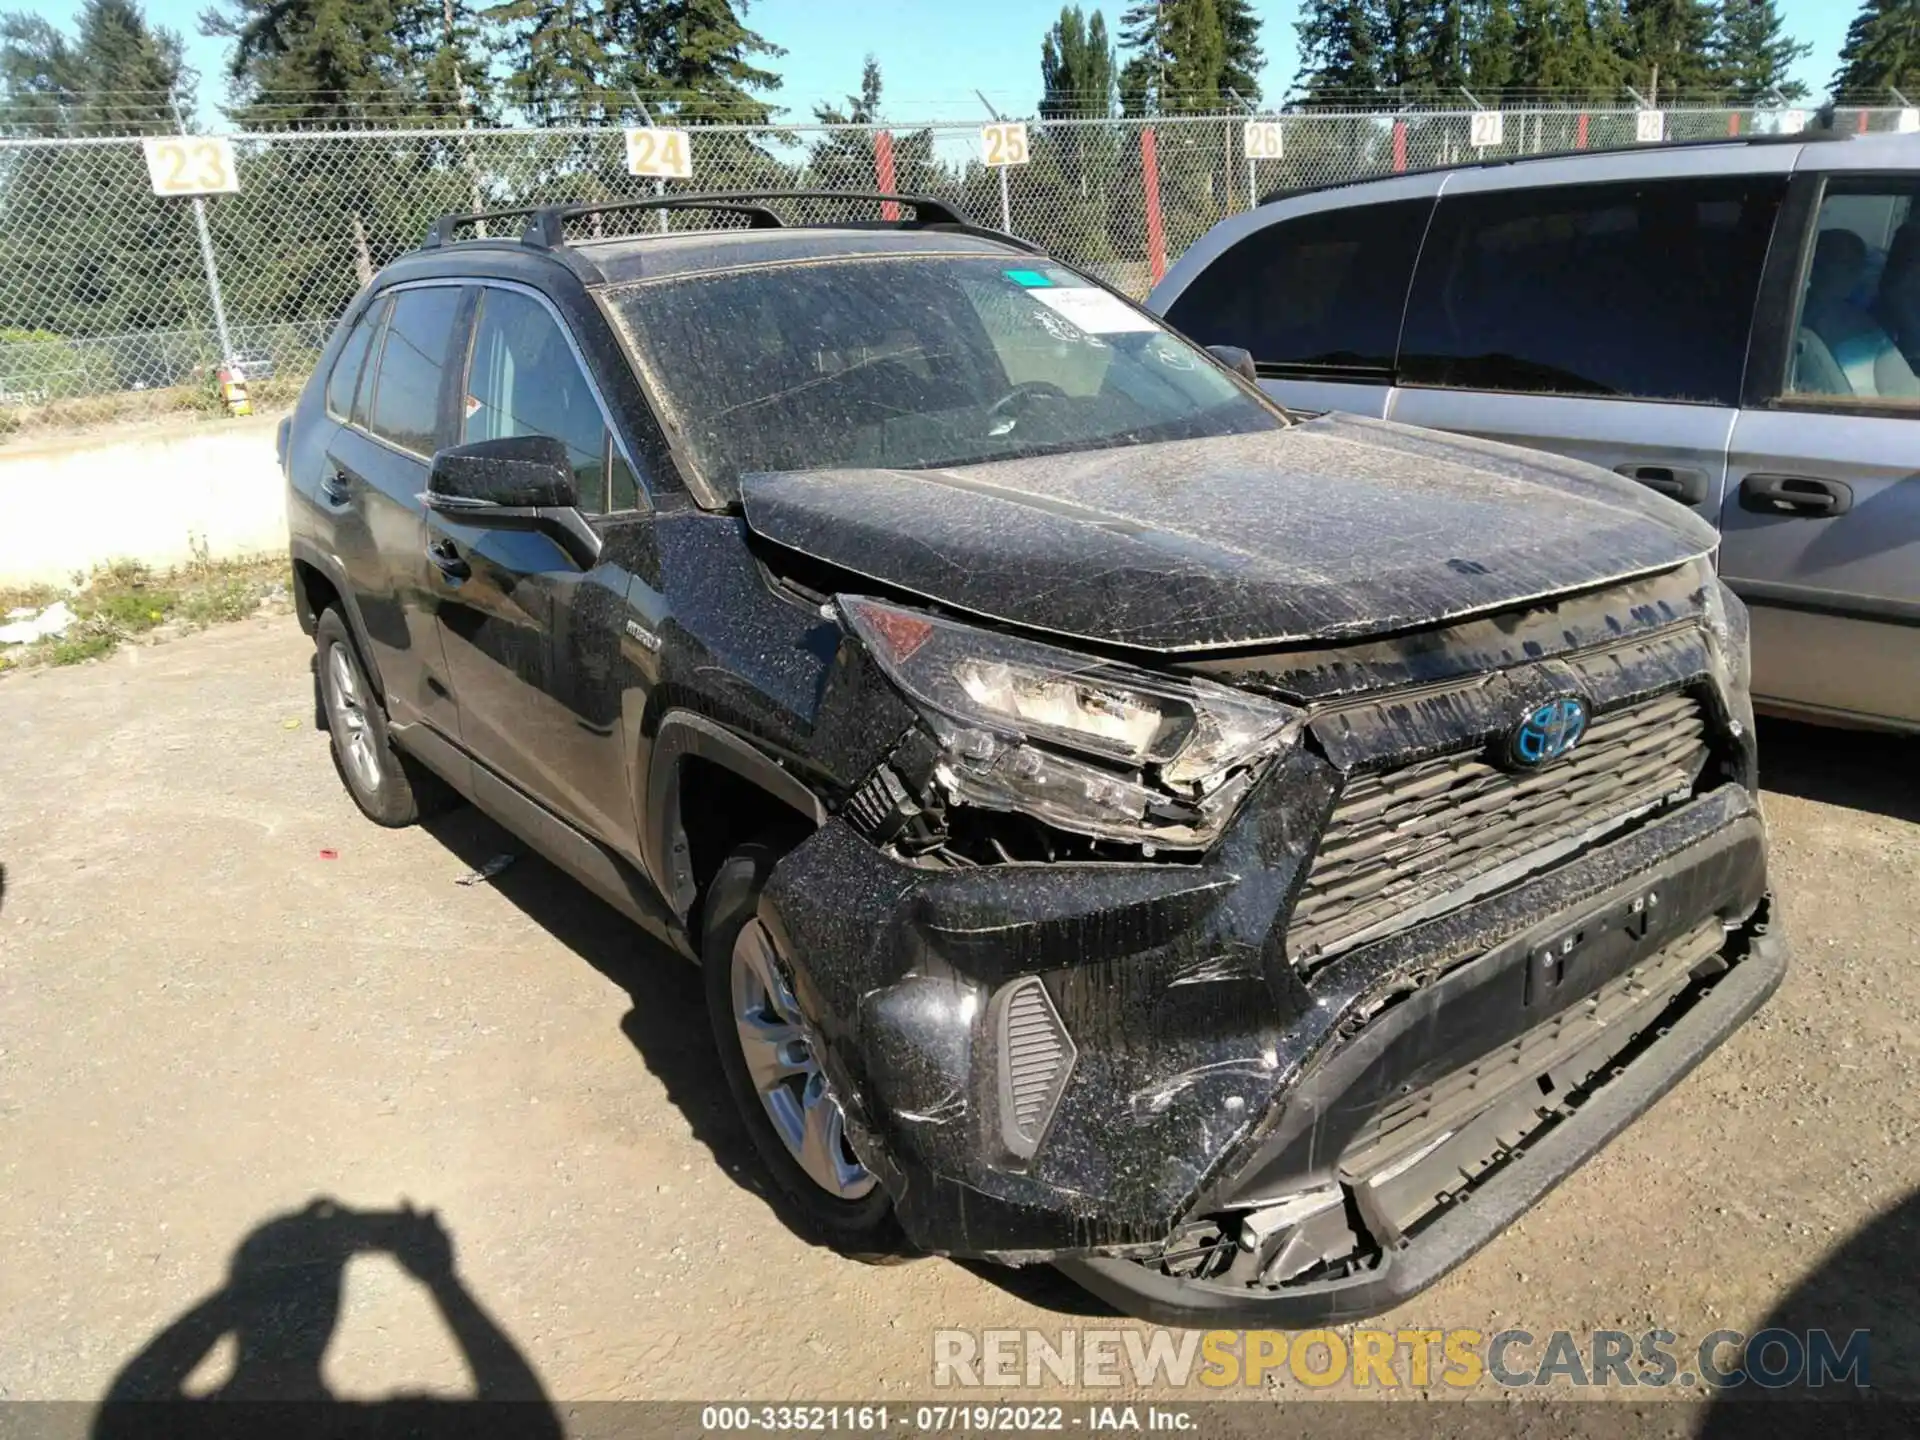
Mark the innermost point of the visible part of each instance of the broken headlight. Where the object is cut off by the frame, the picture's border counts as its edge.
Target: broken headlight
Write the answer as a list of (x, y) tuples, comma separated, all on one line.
[(1149, 759)]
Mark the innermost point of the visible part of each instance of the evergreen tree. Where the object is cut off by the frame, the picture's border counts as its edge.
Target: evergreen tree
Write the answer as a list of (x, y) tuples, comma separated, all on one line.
[(1179, 60), (1751, 55), (1676, 36), (1492, 66), (445, 52), (118, 75), (312, 61), (1076, 67), (1240, 28), (557, 59), (1339, 54), (1882, 50), (696, 56)]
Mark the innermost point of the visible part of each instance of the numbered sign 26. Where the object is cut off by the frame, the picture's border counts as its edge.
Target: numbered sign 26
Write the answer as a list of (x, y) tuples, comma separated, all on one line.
[(1649, 126), (1004, 143), (191, 165), (1487, 128), (1261, 139), (663, 154)]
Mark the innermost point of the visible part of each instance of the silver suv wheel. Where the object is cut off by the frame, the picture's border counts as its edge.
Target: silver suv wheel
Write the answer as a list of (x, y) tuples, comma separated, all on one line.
[(792, 1087)]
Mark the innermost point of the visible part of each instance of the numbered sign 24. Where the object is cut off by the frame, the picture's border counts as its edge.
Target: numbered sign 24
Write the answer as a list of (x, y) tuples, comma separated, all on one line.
[(663, 154), (1262, 140), (1004, 143), (1487, 129), (191, 165)]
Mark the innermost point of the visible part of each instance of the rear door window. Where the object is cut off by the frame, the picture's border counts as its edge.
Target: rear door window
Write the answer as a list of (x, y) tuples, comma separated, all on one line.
[(1644, 289), (523, 379), (1320, 294), (1856, 338), (413, 361)]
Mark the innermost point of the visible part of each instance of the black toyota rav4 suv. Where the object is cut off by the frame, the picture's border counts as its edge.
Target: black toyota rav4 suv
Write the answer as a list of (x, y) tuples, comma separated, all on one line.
[(1245, 859)]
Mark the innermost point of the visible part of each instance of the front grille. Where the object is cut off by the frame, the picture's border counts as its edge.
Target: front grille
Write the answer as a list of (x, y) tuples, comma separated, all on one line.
[(1405, 845)]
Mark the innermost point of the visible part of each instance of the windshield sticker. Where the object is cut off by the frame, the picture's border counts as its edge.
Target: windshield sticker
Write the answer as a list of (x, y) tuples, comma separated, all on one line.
[(1032, 279), (1094, 310)]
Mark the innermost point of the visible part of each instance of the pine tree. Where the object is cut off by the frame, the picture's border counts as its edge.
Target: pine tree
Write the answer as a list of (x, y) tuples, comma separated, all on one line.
[(1443, 47), (1240, 71), (1180, 58), (312, 61), (557, 58), (1751, 55), (1339, 54), (118, 75), (696, 56), (1076, 67), (1882, 50), (1676, 36), (1492, 66), (445, 51)]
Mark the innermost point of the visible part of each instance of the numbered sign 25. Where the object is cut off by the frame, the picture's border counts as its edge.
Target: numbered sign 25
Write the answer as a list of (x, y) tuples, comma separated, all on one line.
[(1262, 140), (1004, 143), (1487, 129), (191, 165), (663, 154)]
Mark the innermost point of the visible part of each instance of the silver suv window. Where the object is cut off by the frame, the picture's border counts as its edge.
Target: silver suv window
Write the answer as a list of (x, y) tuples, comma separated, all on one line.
[(1857, 334)]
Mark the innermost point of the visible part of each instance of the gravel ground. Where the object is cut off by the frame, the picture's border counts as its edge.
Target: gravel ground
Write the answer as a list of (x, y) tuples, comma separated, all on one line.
[(223, 996)]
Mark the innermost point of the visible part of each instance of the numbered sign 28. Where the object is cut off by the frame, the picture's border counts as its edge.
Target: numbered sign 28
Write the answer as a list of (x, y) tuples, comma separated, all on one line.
[(1004, 143), (663, 154), (1487, 129), (191, 165), (1649, 126), (1907, 122), (1262, 140)]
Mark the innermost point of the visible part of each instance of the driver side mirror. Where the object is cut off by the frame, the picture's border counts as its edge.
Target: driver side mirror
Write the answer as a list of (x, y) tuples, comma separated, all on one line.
[(1235, 359), (522, 472)]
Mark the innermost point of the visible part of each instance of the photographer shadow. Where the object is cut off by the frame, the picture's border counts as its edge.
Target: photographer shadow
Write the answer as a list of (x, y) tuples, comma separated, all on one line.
[(280, 1304)]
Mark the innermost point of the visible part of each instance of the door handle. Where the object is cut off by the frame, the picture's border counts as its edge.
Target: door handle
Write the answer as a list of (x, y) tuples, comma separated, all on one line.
[(335, 488), (1805, 495), (448, 560), (1684, 483)]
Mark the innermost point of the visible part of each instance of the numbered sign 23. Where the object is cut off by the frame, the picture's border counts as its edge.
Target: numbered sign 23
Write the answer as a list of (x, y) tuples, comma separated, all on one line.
[(1262, 140), (1004, 143), (191, 165), (663, 154)]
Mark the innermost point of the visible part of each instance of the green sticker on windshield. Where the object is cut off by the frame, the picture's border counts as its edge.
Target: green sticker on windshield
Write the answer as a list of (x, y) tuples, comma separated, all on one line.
[(1032, 279)]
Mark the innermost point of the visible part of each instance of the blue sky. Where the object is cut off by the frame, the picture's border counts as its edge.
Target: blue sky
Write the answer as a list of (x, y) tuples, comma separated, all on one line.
[(935, 53)]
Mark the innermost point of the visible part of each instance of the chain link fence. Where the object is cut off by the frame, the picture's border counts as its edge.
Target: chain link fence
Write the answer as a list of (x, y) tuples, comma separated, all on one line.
[(106, 288)]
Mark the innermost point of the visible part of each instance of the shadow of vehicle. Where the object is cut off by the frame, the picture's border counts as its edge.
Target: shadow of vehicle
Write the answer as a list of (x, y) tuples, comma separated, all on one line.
[(667, 1023), (1869, 1283), (280, 1304), (1860, 769)]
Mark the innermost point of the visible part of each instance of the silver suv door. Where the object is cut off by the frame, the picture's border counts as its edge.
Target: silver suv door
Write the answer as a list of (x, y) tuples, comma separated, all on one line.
[(1822, 513), (1313, 288), (1598, 307)]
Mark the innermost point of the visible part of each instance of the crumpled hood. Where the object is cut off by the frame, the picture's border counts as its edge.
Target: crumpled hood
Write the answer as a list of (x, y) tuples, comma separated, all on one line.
[(1332, 528)]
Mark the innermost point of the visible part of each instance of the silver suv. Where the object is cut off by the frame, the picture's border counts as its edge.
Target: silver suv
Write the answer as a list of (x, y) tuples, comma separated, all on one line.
[(1735, 325)]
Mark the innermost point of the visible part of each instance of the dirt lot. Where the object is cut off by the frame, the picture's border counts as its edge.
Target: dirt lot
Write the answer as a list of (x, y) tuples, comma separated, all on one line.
[(223, 994)]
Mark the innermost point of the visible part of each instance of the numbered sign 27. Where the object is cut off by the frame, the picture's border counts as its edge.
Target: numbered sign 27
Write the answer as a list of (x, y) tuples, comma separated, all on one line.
[(1262, 140), (663, 154), (191, 165), (1487, 129), (1004, 143)]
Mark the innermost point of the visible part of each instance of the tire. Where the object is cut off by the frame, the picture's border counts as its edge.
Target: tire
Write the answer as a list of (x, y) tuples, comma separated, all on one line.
[(390, 788), (850, 1212)]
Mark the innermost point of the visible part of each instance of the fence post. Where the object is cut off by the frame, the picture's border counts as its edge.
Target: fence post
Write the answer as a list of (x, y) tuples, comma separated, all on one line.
[(1733, 125), (1863, 121), (1156, 234), (883, 169), (1399, 145), (1580, 132)]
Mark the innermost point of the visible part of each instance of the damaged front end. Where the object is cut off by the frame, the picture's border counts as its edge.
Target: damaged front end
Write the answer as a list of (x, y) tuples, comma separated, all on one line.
[(1271, 988)]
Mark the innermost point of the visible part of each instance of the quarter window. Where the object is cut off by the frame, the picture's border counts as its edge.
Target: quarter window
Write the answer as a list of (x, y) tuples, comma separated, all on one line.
[(1857, 334), (1323, 292), (1643, 289), (406, 397), (377, 328), (523, 380), (345, 378)]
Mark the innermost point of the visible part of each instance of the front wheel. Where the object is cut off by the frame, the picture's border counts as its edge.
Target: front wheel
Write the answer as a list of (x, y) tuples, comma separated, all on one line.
[(767, 1051)]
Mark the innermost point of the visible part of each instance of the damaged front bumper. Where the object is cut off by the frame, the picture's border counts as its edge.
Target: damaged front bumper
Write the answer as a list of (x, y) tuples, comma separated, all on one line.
[(1111, 1065)]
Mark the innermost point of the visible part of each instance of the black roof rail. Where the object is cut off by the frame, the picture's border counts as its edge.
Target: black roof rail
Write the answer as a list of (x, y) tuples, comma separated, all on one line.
[(1812, 135), (545, 225)]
